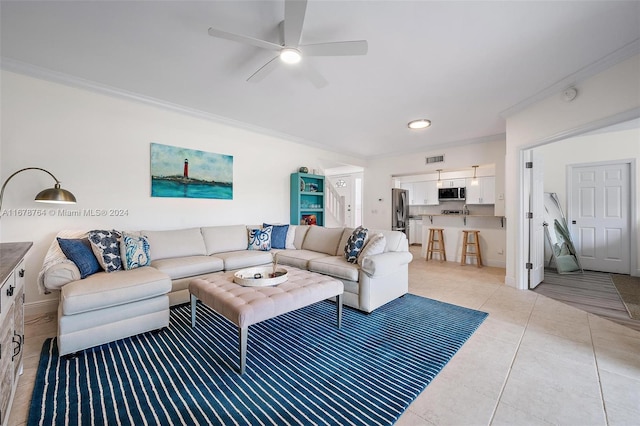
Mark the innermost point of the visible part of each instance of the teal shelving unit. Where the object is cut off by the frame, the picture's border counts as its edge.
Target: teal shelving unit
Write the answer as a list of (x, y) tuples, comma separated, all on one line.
[(307, 199)]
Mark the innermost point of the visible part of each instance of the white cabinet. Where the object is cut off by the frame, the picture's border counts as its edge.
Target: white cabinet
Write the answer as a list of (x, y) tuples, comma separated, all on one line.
[(453, 183), (483, 193), (422, 193), (409, 187), (426, 193), (11, 323), (415, 231)]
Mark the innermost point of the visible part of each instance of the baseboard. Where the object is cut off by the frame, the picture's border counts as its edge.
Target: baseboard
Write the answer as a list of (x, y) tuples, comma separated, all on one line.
[(40, 307)]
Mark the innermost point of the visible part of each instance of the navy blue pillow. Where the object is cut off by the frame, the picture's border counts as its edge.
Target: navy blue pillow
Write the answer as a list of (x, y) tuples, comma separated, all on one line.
[(79, 252), (278, 235)]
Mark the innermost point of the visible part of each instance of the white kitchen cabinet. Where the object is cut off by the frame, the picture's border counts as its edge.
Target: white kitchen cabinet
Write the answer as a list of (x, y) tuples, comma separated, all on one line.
[(426, 193), (483, 193), (415, 231), (453, 183), (409, 187)]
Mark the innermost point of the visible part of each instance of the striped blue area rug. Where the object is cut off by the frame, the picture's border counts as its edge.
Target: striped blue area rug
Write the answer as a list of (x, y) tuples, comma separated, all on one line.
[(301, 369)]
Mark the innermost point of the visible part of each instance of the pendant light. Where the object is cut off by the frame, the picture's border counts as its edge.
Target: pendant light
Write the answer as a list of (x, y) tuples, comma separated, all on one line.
[(474, 181), (439, 183)]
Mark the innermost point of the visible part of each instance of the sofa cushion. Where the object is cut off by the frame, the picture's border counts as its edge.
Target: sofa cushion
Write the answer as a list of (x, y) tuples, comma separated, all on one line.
[(278, 235), (322, 240), (301, 233), (260, 239), (103, 290), (335, 266), (219, 239), (244, 259), (375, 245), (396, 241), (291, 236), (175, 243), (134, 250), (188, 266), (79, 252), (106, 248), (298, 258), (355, 244)]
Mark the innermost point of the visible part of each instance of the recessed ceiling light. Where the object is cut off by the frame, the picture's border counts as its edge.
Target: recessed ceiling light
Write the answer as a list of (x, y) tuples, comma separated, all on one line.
[(289, 55), (423, 123)]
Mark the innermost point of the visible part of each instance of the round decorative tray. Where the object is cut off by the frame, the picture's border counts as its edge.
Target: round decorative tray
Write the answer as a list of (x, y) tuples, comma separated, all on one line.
[(260, 276)]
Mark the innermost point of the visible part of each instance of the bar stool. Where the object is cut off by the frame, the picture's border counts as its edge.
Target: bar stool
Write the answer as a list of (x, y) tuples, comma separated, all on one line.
[(433, 232), (475, 244)]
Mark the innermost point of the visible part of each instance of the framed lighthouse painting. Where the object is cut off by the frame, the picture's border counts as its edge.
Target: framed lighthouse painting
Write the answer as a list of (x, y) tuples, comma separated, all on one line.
[(189, 173)]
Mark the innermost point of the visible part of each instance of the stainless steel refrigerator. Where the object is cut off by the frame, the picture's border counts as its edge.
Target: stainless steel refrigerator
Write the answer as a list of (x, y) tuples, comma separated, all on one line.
[(400, 210)]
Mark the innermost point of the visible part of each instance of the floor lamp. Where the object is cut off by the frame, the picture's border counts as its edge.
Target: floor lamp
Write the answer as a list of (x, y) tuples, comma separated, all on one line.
[(55, 195)]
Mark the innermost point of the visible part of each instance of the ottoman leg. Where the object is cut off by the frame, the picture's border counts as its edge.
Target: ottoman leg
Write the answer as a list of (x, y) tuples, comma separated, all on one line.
[(242, 333), (339, 307), (194, 303)]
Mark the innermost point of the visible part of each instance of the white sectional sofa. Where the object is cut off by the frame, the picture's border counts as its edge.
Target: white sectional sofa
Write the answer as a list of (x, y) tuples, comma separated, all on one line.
[(108, 306)]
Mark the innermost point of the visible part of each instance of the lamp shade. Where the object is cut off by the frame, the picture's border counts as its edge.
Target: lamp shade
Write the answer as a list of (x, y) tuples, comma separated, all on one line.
[(56, 195)]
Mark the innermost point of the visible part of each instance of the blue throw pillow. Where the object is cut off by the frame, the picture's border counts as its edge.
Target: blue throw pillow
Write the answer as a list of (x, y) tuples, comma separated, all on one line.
[(355, 243), (278, 235), (134, 251), (79, 252), (106, 248), (260, 239)]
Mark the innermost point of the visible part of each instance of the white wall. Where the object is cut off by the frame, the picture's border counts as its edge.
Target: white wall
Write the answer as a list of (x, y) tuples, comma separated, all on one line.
[(378, 184), (606, 95), (98, 146)]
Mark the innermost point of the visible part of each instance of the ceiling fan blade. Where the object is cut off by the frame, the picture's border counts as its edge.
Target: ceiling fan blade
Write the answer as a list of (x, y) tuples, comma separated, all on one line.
[(314, 76), (213, 32), (338, 48), (294, 11), (264, 71)]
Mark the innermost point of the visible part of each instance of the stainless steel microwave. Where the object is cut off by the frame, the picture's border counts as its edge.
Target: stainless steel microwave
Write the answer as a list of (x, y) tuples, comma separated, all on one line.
[(451, 193)]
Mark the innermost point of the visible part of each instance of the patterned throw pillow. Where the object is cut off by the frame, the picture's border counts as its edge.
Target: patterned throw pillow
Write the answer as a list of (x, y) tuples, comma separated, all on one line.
[(375, 245), (134, 251), (355, 244), (79, 252), (106, 248), (278, 235), (260, 239)]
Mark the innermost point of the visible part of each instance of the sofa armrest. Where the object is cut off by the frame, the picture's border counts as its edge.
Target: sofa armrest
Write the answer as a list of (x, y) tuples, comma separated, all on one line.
[(385, 263), (60, 274)]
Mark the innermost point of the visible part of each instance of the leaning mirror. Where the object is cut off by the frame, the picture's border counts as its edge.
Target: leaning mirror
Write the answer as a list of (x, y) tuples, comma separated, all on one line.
[(560, 249)]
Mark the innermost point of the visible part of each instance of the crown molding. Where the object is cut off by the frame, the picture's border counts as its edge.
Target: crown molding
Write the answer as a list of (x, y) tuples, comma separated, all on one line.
[(625, 52), (19, 67)]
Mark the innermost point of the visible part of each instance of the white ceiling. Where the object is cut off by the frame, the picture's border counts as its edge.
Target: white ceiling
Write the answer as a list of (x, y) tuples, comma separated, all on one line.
[(460, 64)]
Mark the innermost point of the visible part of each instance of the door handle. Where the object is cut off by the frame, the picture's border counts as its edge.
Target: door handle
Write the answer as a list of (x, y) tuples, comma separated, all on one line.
[(573, 222)]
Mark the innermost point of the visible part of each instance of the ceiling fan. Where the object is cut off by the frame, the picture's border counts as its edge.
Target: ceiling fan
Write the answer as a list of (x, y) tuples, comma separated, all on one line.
[(290, 51)]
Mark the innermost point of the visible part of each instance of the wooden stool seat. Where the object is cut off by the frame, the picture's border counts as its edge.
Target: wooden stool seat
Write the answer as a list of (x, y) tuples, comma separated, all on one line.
[(431, 246), (474, 245)]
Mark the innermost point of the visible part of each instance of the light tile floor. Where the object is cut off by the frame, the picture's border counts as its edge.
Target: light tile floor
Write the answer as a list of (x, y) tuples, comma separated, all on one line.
[(534, 361)]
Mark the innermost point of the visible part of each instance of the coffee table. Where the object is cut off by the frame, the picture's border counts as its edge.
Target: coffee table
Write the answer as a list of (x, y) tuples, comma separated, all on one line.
[(245, 306)]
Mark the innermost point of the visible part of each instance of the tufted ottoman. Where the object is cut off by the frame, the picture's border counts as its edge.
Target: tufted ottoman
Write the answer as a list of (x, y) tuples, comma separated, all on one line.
[(245, 306)]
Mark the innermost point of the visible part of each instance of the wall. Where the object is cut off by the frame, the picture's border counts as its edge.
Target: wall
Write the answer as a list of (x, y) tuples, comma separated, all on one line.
[(378, 181), (98, 147), (612, 93)]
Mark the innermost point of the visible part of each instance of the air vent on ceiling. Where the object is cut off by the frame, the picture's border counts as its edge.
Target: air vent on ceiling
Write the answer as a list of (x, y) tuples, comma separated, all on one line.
[(434, 159)]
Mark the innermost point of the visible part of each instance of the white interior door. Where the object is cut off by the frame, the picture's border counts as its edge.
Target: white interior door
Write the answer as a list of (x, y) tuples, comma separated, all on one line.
[(599, 216), (536, 227)]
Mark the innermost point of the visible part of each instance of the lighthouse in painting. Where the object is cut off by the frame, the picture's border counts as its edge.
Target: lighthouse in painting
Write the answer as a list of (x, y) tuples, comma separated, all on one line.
[(186, 169)]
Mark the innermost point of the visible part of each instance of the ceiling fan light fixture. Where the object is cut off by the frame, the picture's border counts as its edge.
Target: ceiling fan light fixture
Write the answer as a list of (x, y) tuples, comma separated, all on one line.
[(289, 55), (422, 123)]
